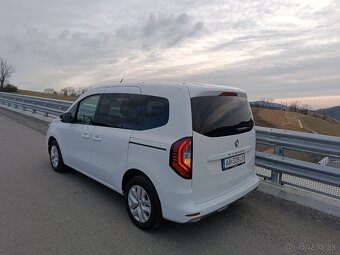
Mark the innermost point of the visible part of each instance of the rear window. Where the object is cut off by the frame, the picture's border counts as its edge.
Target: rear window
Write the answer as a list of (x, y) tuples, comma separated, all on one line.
[(216, 116), (131, 111)]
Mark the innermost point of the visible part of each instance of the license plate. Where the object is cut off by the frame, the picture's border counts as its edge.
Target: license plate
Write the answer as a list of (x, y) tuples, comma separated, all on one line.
[(233, 161)]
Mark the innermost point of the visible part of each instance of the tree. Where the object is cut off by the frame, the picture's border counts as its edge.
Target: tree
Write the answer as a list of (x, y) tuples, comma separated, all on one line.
[(305, 109), (68, 91), (50, 91), (81, 91), (284, 105), (294, 106), (267, 102), (74, 92), (6, 72)]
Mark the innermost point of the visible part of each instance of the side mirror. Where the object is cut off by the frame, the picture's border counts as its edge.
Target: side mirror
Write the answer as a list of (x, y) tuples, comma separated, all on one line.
[(66, 117)]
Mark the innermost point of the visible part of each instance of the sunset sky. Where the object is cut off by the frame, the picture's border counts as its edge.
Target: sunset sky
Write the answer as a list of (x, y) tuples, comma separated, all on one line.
[(286, 50)]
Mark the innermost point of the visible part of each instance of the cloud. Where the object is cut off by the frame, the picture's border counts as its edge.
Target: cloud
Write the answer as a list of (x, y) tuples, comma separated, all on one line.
[(161, 31), (279, 48), (64, 34)]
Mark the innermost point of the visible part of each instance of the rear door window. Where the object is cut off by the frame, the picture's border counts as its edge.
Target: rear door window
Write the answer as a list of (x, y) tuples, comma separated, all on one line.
[(216, 116), (132, 111)]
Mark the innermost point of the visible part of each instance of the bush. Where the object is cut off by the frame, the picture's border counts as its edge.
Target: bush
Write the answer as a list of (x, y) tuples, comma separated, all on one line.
[(9, 88)]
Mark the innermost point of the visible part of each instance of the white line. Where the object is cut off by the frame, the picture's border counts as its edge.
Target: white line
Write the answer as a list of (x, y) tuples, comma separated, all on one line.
[(300, 124)]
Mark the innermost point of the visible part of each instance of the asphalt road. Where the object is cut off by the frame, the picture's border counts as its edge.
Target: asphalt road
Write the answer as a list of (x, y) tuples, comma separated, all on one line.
[(43, 212)]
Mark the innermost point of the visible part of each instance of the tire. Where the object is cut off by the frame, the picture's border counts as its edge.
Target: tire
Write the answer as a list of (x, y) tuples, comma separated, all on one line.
[(56, 158), (141, 195)]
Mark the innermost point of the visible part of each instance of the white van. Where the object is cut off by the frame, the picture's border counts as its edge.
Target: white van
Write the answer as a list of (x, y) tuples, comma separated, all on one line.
[(175, 151)]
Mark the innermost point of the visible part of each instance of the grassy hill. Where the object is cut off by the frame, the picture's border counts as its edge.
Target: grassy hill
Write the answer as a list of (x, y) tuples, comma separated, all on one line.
[(295, 121)]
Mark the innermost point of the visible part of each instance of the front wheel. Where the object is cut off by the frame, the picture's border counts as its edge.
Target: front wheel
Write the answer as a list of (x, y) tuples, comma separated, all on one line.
[(142, 203), (55, 157)]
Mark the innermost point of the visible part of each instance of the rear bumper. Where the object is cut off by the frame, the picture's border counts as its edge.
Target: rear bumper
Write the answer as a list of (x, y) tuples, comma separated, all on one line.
[(182, 204)]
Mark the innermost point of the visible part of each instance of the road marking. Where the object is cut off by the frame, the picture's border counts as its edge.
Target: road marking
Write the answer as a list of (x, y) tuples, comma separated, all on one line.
[(296, 118)]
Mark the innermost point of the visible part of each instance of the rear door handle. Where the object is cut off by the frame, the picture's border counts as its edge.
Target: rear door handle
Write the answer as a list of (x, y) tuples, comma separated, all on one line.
[(85, 135), (96, 138)]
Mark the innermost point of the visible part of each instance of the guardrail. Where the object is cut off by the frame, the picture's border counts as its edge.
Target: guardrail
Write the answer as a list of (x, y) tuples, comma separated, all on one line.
[(41, 105), (307, 161)]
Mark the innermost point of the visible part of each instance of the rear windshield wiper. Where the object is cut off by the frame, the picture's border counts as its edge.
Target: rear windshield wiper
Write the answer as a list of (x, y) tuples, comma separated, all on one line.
[(239, 128)]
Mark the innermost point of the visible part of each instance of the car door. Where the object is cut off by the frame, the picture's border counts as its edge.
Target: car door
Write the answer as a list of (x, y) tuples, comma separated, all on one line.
[(111, 134), (77, 135)]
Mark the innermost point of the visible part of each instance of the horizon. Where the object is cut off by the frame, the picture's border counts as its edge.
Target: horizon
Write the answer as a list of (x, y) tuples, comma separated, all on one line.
[(322, 101), (286, 50)]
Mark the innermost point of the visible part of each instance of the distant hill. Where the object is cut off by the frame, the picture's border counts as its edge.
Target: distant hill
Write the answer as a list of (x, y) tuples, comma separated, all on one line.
[(263, 104), (334, 112)]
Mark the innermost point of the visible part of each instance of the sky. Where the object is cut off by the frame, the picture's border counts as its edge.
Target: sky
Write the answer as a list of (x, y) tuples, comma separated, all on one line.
[(282, 49)]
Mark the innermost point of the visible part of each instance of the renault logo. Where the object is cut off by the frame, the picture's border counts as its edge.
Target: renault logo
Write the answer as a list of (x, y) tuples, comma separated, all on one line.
[(237, 142)]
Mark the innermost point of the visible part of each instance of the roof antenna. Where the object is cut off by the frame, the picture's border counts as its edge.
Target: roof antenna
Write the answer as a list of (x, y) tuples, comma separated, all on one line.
[(121, 80)]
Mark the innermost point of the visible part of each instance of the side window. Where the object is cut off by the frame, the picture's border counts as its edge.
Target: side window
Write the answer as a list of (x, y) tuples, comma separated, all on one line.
[(130, 111), (152, 112), (109, 112), (87, 109)]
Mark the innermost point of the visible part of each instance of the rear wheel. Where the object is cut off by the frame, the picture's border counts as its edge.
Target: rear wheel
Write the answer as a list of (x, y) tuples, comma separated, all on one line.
[(56, 159), (142, 203)]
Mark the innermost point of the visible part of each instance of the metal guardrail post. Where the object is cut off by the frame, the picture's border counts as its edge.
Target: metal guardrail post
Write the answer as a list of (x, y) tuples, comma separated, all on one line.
[(276, 176)]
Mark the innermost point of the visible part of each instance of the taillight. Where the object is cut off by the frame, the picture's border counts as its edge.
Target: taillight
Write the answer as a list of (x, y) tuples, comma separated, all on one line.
[(181, 157)]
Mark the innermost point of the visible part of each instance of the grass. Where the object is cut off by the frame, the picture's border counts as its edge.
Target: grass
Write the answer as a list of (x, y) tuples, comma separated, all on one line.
[(289, 120), (45, 95), (321, 126)]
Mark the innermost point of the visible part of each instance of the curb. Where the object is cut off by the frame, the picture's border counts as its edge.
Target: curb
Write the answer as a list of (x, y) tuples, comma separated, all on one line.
[(308, 199)]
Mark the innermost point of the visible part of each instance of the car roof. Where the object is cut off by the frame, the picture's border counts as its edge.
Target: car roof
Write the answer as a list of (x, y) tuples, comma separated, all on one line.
[(193, 87)]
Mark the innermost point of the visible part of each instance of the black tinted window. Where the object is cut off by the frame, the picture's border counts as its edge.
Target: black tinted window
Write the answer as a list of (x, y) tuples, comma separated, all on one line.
[(215, 116), (130, 111)]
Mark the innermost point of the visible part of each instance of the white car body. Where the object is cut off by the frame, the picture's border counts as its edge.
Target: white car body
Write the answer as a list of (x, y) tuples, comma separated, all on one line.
[(109, 154)]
